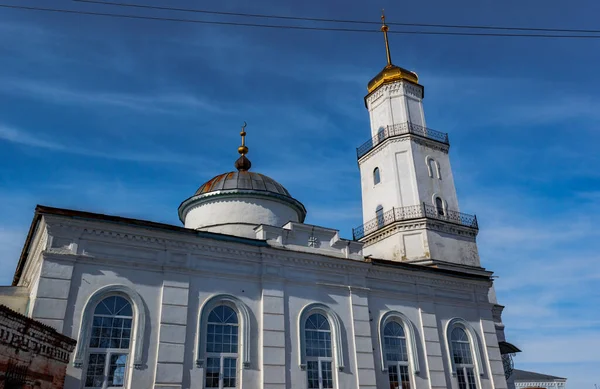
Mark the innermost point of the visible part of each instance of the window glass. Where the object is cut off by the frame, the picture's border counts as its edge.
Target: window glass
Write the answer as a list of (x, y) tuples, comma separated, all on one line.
[(376, 176)]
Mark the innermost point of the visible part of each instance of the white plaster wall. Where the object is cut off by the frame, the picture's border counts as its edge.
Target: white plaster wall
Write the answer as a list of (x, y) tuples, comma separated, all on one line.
[(239, 216), (275, 291), (428, 186), (86, 280), (400, 246), (394, 104), (453, 248), (396, 188)]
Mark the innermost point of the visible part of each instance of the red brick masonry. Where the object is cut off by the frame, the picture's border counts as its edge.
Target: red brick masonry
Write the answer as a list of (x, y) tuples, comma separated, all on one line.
[(32, 354)]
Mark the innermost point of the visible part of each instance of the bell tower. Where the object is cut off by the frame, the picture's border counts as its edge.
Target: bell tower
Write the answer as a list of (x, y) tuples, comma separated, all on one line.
[(410, 207)]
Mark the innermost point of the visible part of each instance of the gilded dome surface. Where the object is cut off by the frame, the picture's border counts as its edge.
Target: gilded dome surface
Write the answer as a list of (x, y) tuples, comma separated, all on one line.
[(242, 180), (391, 73)]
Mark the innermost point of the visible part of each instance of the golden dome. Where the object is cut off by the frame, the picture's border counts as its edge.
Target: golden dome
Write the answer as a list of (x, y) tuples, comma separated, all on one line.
[(391, 73)]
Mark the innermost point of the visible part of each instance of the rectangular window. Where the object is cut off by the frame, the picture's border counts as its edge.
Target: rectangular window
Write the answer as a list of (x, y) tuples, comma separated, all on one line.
[(229, 372), (212, 372), (471, 378), (95, 371), (398, 375), (320, 374), (116, 370), (404, 377), (393, 375), (312, 370), (326, 374), (466, 378)]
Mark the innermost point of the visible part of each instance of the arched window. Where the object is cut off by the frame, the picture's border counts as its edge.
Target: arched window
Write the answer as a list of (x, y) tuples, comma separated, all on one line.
[(430, 166), (396, 355), (379, 216), (110, 343), (398, 349), (317, 336), (439, 205), (380, 134), (433, 167), (223, 340), (111, 336), (463, 359), (376, 176), (222, 348), (463, 353), (320, 345)]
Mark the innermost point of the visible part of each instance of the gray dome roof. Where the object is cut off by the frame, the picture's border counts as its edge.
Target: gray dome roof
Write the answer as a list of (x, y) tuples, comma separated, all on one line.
[(242, 180)]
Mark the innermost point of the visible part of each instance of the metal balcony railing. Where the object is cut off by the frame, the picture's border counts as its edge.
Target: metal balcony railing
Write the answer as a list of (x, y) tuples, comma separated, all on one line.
[(401, 129), (414, 212)]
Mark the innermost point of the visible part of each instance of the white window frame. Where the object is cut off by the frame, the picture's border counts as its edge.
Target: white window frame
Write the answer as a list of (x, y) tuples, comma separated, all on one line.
[(222, 357), (108, 352), (475, 344), (243, 332), (138, 326), (336, 336), (411, 344)]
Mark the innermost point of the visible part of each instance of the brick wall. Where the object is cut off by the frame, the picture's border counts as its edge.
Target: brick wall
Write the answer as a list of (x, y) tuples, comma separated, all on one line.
[(32, 355)]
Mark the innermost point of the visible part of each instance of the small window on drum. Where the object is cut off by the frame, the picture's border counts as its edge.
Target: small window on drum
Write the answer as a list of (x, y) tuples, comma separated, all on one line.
[(439, 205), (376, 176)]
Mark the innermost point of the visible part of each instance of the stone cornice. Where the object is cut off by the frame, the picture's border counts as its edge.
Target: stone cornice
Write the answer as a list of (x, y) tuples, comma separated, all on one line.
[(233, 194), (396, 88), (140, 242), (403, 138), (418, 224)]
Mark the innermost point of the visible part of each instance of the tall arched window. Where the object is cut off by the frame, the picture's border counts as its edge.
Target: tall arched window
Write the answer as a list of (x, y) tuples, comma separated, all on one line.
[(439, 205), (320, 341), (376, 176), (396, 355), (109, 344), (462, 358), (430, 166), (379, 216), (222, 348), (317, 337)]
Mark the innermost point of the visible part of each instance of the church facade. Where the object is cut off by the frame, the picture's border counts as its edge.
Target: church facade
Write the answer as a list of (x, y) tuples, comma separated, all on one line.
[(246, 295)]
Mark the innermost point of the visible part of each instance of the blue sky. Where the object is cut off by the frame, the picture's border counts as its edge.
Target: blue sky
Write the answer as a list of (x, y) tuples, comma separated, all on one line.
[(130, 117)]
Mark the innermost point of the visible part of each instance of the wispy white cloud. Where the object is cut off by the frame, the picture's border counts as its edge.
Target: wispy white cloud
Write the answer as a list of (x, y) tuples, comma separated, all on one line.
[(28, 139), (164, 102)]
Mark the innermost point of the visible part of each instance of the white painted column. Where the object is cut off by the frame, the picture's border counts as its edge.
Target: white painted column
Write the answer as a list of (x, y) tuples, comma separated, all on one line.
[(171, 342), (434, 358), (273, 335), (363, 338)]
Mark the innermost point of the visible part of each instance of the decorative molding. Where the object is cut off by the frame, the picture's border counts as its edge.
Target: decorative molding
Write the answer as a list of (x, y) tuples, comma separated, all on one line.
[(473, 341), (244, 325), (415, 225), (88, 314), (236, 252), (403, 138), (336, 329), (409, 331)]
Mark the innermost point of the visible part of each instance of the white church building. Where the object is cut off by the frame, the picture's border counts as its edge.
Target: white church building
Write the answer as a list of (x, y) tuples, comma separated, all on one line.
[(246, 295)]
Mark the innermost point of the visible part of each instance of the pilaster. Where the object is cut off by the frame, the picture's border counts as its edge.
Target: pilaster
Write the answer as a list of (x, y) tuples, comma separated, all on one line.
[(491, 351), (433, 349), (273, 335), (363, 340), (51, 299), (172, 327)]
